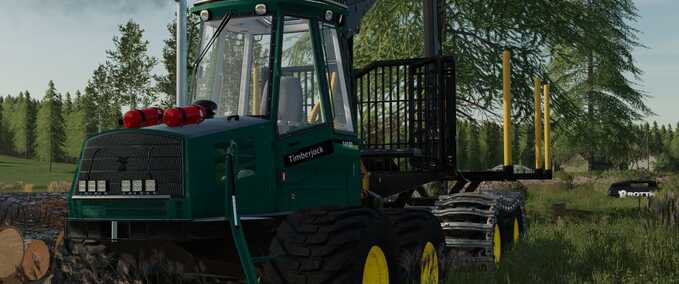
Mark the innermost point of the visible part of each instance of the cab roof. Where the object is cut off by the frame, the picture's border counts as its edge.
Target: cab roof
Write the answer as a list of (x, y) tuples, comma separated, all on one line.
[(306, 7)]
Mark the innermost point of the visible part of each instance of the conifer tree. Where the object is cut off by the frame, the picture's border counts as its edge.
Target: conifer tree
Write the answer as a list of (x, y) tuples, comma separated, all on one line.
[(50, 128), (2, 127), (75, 127), (22, 125), (462, 144), (8, 135), (100, 94), (474, 150)]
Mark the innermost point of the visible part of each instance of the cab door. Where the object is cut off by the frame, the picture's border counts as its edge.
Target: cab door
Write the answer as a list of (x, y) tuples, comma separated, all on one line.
[(305, 146)]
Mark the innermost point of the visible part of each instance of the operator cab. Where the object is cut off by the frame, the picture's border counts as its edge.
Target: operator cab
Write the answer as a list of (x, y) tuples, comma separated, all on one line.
[(284, 65), (302, 85)]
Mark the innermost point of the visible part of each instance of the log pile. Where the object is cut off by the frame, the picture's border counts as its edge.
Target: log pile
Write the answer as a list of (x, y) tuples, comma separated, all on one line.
[(29, 225), (39, 215), (22, 260)]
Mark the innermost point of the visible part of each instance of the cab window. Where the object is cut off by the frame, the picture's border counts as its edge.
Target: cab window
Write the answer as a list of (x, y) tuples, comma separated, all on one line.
[(299, 99), (339, 96)]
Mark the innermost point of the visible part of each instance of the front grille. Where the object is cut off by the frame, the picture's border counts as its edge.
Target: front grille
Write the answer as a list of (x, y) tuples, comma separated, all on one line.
[(119, 156)]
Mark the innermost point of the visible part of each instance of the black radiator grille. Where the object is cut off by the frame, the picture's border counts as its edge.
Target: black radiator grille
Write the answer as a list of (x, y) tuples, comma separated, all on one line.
[(115, 157)]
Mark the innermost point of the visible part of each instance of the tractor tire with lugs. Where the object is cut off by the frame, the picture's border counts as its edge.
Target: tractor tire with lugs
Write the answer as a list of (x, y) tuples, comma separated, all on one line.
[(354, 245), (421, 245)]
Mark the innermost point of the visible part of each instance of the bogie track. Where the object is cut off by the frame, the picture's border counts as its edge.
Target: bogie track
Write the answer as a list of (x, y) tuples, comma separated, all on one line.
[(478, 226)]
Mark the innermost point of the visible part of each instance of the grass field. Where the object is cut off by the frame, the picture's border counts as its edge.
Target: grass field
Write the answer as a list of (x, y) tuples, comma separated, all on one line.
[(598, 240), (16, 172)]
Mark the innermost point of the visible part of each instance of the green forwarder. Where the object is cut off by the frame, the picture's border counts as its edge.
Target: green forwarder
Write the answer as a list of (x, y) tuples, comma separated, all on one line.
[(289, 166)]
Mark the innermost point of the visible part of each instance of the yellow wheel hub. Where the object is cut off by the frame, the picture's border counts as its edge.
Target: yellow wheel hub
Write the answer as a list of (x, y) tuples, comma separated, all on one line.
[(497, 244), (517, 233), (375, 270), (429, 265)]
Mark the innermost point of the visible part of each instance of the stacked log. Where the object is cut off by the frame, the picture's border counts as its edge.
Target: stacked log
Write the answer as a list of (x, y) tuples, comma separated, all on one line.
[(29, 224), (36, 260), (11, 250)]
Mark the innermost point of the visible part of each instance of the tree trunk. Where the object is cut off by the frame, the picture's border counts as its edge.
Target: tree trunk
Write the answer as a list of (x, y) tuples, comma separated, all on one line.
[(590, 111)]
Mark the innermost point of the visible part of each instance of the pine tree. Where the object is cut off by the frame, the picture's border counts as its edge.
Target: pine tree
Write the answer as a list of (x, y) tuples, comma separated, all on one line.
[(3, 136), (674, 147), (474, 150), (88, 106), (528, 149), (22, 125), (594, 71), (75, 127), (31, 113), (50, 128), (167, 84), (476, 32), (7, 145), (491, 145), (68, 103), (130, 67), (100, 94), (13, 119), (667, 138), (462, 145), (656, 139), (516, 144)]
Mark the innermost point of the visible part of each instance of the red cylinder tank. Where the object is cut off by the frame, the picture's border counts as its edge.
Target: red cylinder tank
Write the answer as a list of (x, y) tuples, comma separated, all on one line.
[(137, 118), (180, 116)]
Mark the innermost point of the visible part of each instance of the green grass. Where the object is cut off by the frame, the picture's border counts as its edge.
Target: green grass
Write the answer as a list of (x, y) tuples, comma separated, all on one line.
[(16, 171), (599, 240)]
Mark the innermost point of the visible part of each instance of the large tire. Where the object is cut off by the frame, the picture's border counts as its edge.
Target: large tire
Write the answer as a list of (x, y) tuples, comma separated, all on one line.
[(421, 245), (332, 246), (512, 207)]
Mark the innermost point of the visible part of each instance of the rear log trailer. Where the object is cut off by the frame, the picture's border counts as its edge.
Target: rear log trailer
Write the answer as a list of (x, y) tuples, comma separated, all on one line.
[(290, 166)]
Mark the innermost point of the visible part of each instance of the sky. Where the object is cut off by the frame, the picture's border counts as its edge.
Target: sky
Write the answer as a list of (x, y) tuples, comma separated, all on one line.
[(64, 41)]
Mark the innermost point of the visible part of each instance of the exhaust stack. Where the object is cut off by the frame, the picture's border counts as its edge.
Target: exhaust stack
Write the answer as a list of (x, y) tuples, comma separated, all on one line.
[(182, 52), (507, 111)]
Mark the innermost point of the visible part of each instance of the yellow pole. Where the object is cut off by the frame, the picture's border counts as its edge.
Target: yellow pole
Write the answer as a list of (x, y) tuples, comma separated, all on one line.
[(255, 91), (538, 124), (507, 107), (548, 138)]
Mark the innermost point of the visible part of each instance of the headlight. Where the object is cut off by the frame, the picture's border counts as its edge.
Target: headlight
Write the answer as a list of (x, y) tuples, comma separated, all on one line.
[(101, 186), (260, 9), (91, 186), (126, 186), (137, 185), (82, 186), (150, 185), (205, 15)]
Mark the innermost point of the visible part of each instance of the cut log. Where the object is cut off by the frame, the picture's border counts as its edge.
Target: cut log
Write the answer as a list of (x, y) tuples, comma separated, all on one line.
[(11, 250), (36, 260)]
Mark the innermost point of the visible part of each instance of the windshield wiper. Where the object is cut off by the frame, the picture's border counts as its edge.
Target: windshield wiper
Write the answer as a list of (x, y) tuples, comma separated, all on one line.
[(212, 40)]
